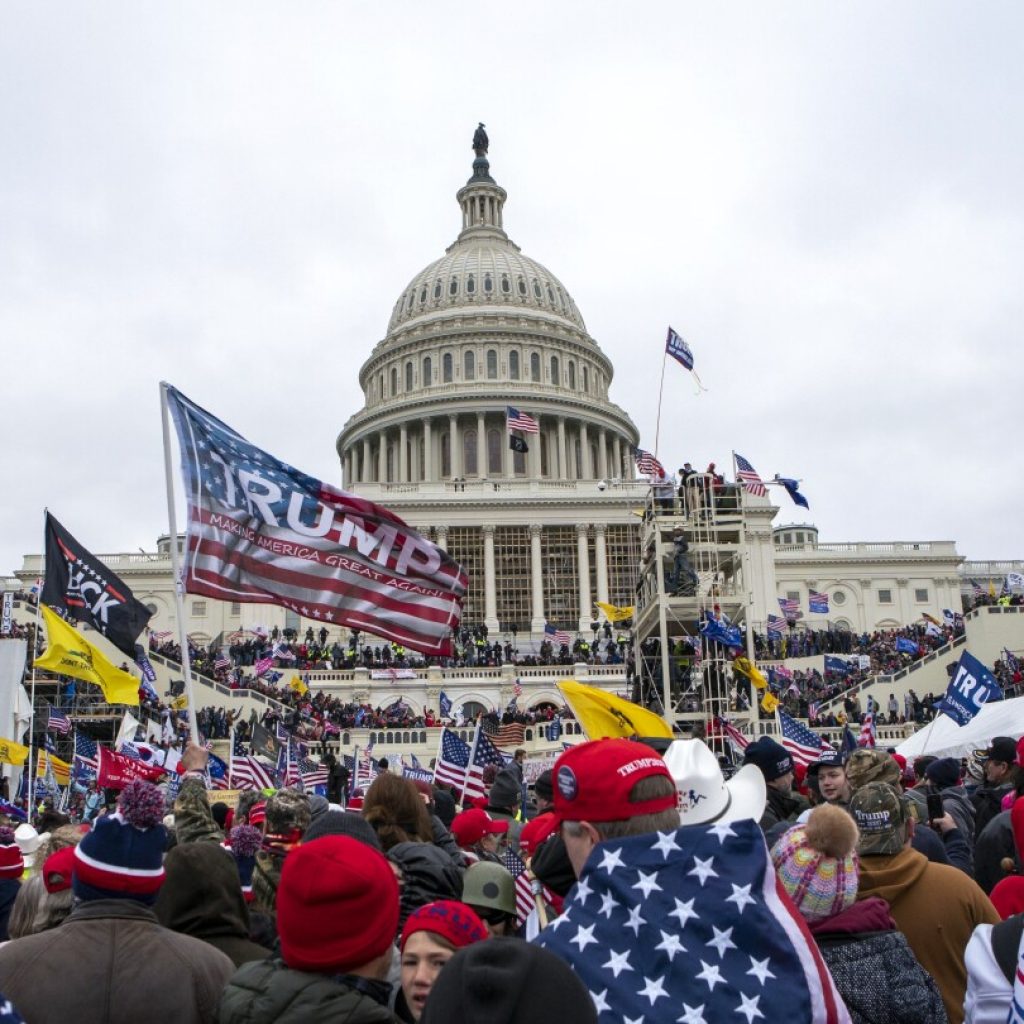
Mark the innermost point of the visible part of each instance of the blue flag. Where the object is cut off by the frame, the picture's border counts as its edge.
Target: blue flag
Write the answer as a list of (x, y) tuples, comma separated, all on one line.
[(969, 690), (726, 635), (905, 646), (849, 744), (677, 348), (445, 705), (791, 489), (840, 666)]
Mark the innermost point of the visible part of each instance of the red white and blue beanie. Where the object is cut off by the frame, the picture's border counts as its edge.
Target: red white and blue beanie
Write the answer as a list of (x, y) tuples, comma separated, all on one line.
[(122, 857), (245, 841), (12, 864)]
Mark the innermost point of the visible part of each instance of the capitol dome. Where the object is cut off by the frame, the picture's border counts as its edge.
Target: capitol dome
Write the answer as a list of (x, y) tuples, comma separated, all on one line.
[(478, 330)]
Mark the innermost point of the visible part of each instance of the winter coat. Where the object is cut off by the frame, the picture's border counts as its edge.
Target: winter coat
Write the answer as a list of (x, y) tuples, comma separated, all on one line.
[(988, 802), (8, 894), (271, 993), (869, 960), (782, 808), (444, 840), (193, 820), (202, 897), (937, 908), (991, 961), (995, 843), (111, 962), (958, 806), (429, 874)]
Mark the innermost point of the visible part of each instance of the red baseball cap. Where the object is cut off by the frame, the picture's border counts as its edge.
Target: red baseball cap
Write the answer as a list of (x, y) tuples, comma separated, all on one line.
[(536, 831), (593, 781), (471, 826)]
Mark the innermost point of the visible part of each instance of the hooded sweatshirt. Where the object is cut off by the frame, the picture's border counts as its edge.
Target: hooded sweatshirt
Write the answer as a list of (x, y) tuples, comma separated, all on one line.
[(202, 897), (937, 908)]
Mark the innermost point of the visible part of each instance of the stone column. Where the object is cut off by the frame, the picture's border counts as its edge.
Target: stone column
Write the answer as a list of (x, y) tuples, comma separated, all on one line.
[(382, 457), (536, 580), (602, 455), (490, 585), (442, 537), (453, 445), (534, 453), (903, 600), (583, 559), (601, 557), (481, 446), (563, 466), (428, 450), (403, 454), (586, 470), (366, 474), (617, 456)]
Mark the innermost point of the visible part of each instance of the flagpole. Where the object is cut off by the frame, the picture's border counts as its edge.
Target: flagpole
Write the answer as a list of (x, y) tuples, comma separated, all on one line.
[(32, 699), (179, 599), (472, 759), (231, 754), (661, 388)]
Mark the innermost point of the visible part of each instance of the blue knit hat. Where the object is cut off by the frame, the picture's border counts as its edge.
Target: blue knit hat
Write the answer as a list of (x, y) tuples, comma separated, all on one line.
[(772, 758), (122, 857)]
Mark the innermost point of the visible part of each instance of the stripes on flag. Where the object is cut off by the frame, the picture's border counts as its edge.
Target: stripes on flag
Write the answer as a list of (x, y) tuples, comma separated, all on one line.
[(817, 602), (737, 740), (58, 721), (557, 636), (160, 635), (867, 731), (305, 545), (747, 475), (452, 760), (511, 734), (86, 757), (647, 464), (484, 753), (520, 421), (524, 887), (790, 608), (248, 772), (804, 746)]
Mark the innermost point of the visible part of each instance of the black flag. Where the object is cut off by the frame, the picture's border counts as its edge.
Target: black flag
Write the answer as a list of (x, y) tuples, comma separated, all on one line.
[(82, 589), (517, 444)]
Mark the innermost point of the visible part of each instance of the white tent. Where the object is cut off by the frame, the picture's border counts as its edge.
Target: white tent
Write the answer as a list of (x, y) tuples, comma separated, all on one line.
[(944, 738)]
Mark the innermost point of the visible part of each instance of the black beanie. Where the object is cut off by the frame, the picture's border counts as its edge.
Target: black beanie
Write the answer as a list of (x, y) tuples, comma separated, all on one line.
[(552, 866), (505, 792), (342, 823), (508, 981), (544, 787), (772, 758)]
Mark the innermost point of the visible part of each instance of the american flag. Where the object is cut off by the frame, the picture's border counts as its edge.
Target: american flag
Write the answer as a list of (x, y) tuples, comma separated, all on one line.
[(160, 635), (524, 887), (790, 608), (867, 731), (818, 602), (282, 653), (805, 746), (647, 464), (248, 772), (452, 760), (517, 420), (517, 689), (511, 734), (237, 637), (979, 590), (776, 625), (746, 473), (263, 665), (58, 721), (305, 545), (693, 916), (218, 770), (556, 636), (312, 773), (222, 663), (737, 740), (86, 757), (484, 753)]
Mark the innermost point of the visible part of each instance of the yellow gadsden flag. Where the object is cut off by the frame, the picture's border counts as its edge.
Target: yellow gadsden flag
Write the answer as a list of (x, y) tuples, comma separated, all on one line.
[(298, 685), (61, 769), (769, 702), (616, 614), (603, 714), (70, 654), (12, 753), (746, 667)]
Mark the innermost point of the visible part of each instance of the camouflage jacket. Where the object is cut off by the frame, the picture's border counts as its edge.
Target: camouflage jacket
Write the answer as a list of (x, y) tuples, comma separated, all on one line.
[(193, 821)]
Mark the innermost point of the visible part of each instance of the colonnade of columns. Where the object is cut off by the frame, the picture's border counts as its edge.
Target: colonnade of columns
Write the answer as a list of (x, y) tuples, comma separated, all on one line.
[(590, 588), (434, 448)]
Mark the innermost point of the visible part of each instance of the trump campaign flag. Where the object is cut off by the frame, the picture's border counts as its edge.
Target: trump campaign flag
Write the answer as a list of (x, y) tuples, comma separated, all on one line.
[(261, 531), (969, 690)]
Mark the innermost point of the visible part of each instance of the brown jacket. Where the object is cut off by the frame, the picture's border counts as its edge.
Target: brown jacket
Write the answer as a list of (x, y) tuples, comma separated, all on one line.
[(111, 962), (937, 907)]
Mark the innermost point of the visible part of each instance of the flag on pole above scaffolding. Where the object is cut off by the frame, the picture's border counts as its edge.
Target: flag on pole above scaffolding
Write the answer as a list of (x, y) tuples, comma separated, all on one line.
[(677, 347), (261, 531)]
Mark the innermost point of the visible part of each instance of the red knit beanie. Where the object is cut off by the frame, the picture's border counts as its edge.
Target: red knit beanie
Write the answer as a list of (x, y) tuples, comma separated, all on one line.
[(450, 919), (337, 906), (12, 864)]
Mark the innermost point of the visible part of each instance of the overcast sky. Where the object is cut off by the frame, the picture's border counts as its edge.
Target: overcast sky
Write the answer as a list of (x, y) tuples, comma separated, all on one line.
[(824, 199)]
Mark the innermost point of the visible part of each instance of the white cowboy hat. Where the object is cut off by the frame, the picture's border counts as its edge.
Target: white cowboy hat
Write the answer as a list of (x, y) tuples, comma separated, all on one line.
[(704, 795)]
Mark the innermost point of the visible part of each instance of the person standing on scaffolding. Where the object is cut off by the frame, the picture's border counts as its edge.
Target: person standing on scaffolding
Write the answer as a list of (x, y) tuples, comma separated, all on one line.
[(683, 581)]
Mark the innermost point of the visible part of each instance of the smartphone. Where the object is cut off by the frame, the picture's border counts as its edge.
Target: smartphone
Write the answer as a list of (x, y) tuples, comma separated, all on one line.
[(935, 806)]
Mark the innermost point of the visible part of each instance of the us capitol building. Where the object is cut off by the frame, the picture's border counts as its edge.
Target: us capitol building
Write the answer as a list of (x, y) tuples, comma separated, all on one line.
[(546, 533)]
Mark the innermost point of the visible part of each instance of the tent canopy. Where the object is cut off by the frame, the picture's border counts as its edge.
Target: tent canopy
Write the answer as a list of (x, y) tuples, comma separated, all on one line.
[(944, 738)]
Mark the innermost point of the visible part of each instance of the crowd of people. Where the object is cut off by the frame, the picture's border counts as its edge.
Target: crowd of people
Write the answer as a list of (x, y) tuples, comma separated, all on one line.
[(632, 880)]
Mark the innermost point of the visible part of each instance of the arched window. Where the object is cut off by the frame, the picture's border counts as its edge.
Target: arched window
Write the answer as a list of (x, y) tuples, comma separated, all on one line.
[(492, 364), (536, 290), (469, 453), (380, 386), (572, 375), (453, 286), (408, 376), (394, 381), (446, 456), (535, 367), (506, 284), (488, 284), (586, 378), (494, 453), (469, 365), (521, 285), (556, 377), (437, 288), (446, 367), (470, 285), (423, 295), (513, 365), (428, 375)]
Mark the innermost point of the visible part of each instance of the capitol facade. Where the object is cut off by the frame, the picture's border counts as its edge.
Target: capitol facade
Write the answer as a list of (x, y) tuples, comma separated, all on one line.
[(546, 533)]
